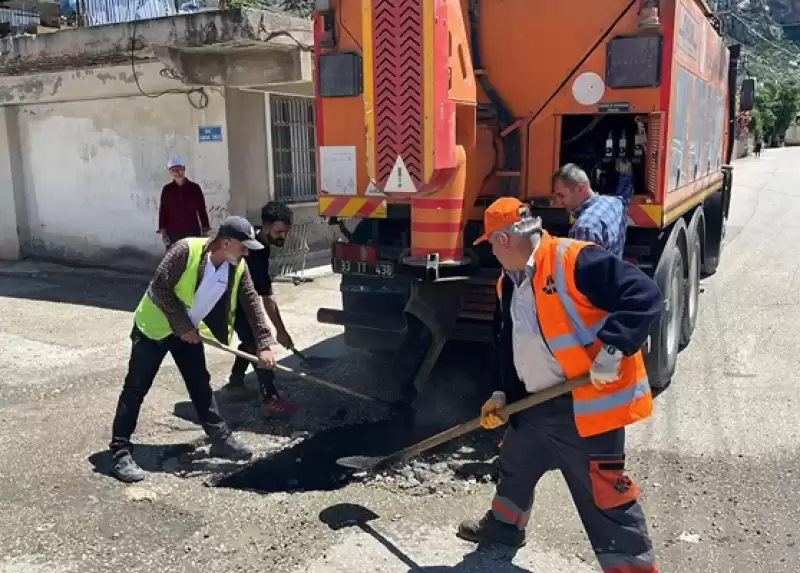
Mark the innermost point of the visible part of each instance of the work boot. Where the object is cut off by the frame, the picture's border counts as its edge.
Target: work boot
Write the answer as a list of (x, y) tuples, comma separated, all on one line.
[(276, 406), (236, 390), (489, 530), (229, 447), (126, 469)]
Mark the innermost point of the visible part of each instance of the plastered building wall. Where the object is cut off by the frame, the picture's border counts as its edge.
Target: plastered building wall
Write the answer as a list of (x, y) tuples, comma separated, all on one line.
[(93, 173), (83, 159)]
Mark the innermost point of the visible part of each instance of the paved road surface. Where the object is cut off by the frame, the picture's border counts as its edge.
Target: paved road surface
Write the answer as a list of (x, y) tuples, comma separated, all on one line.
[(718, 463)]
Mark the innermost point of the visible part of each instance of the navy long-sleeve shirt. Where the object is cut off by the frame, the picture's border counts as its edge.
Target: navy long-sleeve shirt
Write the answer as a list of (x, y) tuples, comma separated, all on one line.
[(632, 300)]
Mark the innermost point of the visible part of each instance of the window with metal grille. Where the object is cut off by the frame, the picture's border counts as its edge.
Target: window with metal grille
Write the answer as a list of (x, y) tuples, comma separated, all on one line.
[(294, 163)]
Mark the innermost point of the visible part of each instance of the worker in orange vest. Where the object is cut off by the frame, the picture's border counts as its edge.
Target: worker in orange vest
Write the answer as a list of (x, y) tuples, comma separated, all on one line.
[(568, 308)]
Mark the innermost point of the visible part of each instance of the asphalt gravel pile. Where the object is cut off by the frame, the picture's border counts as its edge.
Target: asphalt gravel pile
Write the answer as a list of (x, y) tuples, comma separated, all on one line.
[(449, 471), (310, 463)]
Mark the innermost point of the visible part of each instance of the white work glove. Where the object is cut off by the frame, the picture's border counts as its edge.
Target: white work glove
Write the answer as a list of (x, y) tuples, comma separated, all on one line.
[(607, 367), (489, 417)]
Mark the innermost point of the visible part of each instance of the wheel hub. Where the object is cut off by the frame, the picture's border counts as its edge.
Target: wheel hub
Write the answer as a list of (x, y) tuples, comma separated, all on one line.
[(694, 281), (673, 316)]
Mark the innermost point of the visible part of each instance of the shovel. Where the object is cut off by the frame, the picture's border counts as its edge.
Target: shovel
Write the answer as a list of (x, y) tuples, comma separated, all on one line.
[(312, 362), (255, 361), (365, 463)]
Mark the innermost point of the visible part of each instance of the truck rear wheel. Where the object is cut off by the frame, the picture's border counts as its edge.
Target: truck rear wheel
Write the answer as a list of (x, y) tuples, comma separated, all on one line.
[(666, 334), (692, 287), (716, 222)]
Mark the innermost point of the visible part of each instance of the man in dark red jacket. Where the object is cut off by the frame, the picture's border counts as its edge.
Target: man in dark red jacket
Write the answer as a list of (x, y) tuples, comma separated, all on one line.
[(182, 211)]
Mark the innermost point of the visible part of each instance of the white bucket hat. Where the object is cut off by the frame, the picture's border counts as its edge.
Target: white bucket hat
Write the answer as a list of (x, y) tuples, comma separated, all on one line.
[(175, 161)]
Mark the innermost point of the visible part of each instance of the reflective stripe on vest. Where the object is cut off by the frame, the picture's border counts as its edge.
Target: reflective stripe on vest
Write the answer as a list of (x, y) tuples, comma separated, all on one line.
[(154, 324), (585, 334)]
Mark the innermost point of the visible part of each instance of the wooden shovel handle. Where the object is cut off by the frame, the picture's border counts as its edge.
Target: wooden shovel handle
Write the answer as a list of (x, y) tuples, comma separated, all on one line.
[(282, 368), (467, 427)]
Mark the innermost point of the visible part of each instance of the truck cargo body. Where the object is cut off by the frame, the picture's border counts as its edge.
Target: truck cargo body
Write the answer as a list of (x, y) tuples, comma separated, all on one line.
[(428, 110)]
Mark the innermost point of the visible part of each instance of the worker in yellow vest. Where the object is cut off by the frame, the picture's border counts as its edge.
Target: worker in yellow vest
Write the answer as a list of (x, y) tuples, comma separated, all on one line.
[(195, 290), (568, 308)]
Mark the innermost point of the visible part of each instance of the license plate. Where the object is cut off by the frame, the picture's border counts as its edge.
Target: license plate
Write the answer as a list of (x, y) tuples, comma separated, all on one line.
[(380, 269)]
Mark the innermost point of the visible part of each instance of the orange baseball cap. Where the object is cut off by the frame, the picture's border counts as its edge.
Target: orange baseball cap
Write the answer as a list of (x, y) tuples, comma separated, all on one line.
[(503, 212)]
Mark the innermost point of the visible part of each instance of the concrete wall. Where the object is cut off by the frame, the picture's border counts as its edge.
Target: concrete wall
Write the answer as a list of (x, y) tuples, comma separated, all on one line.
[(93, 173), (235, 29), (743, 146), (247, 152), (792, 135), (83, 160), (83, 154), (12, 199)]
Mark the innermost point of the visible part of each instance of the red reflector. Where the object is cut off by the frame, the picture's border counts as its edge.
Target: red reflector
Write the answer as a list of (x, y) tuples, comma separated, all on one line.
[(633, 260), (352, 252)]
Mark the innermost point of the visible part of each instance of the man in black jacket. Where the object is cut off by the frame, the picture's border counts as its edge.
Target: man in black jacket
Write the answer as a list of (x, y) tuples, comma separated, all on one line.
[(276, 222)]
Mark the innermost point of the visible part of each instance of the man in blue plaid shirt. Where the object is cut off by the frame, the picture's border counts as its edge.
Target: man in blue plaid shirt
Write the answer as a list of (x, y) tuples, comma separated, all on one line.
[(600, 219)]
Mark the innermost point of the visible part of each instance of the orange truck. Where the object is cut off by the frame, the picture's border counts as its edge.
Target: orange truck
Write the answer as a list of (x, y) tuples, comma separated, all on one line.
[(428, 110)]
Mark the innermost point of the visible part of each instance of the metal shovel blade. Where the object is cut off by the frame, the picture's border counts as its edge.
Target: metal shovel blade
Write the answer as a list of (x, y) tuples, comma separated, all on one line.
[(313, 362), (365, 463), (318, 362), (360, 463)]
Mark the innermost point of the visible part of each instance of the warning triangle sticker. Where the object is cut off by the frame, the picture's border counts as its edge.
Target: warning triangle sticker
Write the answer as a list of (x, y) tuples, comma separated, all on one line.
[(372, 189), (399, 180)]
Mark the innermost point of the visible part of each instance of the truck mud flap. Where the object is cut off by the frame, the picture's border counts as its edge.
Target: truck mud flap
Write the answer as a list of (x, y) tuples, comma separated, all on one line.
[(431, 314), (361, 320)]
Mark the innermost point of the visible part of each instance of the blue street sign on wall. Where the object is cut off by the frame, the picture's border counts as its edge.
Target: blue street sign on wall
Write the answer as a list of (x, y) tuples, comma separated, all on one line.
[(209, 133)]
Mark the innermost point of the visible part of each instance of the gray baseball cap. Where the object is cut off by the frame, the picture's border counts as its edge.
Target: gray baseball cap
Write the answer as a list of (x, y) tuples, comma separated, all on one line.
[(239, 228)]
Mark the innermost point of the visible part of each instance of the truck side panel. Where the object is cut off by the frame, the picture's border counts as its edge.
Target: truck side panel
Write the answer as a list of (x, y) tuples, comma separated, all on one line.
[(698, 112)]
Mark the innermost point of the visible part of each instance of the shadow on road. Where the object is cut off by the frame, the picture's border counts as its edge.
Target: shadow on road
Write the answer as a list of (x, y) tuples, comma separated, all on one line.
[(99, 291), (476, 562), (170, 458), (488, 558)]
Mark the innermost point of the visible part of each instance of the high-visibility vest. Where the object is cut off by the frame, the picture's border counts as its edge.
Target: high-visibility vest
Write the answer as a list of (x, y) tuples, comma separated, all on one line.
[(569, 324), (154, 324)]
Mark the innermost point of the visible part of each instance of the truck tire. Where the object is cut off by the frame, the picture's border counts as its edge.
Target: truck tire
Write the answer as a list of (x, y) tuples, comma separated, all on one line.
[(665, 336), (714, 209), (694, 240)]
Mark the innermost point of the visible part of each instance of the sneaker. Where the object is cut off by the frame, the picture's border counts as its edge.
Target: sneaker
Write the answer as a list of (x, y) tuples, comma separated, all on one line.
[(277, 406), (126, 469), (230, 448), (489, 530), (236, 390)]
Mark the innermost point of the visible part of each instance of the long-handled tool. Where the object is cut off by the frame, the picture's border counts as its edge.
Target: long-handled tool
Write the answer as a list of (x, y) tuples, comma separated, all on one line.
[(365, 463), (282, 368), (312, 362)]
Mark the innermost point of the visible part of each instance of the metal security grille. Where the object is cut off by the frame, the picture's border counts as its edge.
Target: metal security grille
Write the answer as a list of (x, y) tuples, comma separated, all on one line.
[(301, 253), (653, 143), (104, 12), (294, 164), (14, 21)]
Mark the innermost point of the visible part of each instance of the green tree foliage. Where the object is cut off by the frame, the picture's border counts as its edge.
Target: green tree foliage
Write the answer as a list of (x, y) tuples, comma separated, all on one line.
[(776, 105)]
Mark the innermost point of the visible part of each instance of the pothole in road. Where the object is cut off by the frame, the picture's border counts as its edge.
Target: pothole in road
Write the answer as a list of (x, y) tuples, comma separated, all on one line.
[(311, 464)]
